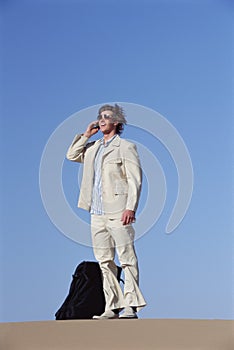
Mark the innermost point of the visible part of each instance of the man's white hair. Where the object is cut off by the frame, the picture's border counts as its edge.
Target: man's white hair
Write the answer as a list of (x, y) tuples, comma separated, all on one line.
[(118, 115)]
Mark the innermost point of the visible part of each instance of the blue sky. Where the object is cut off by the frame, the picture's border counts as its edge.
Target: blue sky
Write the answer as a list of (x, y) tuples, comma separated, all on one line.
[(61, 57)]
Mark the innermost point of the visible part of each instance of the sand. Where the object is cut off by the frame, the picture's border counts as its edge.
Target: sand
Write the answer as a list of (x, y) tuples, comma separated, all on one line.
[(142, 334)]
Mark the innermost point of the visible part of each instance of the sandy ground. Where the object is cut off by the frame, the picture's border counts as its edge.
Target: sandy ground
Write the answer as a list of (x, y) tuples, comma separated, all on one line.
[(142, 334)]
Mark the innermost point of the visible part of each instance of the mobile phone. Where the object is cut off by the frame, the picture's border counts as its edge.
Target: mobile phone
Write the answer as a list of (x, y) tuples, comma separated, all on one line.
[(96, 126)]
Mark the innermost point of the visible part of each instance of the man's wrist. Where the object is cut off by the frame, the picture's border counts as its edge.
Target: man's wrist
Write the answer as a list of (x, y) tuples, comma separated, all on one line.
[(87, 134), (130, 210)]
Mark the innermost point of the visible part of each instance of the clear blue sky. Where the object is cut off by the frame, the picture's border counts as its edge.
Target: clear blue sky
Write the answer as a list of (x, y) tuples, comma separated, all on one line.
[(173, 56)]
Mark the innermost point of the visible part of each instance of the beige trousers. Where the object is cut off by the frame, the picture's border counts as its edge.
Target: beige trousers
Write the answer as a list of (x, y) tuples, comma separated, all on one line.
[(110, 236)]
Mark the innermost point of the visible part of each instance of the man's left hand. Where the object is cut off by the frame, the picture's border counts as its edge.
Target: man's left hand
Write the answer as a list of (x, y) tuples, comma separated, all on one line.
[(128, 217)]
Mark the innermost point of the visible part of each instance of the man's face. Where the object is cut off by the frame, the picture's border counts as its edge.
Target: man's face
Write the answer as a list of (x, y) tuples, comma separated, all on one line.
[(106, 122)]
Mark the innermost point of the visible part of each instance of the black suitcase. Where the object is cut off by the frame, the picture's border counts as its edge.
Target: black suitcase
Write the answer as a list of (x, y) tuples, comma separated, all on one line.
[(85, 298)]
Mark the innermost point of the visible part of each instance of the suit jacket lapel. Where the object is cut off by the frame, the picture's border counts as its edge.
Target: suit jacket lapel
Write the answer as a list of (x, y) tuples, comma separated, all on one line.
[(114, 143), (93, 152)]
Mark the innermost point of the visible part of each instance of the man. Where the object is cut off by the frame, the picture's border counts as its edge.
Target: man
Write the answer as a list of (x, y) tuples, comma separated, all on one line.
[(110, 190)]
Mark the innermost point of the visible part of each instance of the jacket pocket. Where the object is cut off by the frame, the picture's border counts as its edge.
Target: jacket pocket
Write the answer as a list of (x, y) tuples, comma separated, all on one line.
[(117, 161), (120, 187)]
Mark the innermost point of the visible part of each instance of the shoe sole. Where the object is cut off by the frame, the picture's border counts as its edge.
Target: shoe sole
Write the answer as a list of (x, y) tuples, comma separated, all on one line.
[(105, 318)]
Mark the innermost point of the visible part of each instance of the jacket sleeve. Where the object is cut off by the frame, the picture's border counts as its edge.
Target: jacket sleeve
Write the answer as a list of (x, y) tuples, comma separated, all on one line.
[(76, 150), (134, 177)]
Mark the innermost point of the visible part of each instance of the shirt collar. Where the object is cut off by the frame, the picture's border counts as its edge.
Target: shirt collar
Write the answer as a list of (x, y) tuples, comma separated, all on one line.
[(108, 142)]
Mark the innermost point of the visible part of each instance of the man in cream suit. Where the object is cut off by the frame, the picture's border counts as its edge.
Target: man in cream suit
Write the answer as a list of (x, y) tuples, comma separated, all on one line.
[(110, 190)]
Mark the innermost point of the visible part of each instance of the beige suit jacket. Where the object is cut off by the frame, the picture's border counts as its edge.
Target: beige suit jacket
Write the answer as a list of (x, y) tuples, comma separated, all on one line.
[(121, 174)]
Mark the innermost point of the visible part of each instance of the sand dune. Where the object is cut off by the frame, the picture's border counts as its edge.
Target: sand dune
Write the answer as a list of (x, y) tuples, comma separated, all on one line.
[(143, 334)]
